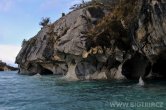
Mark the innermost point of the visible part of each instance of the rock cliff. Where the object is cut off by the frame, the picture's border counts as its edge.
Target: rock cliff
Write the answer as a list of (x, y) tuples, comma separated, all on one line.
[(126, 39)]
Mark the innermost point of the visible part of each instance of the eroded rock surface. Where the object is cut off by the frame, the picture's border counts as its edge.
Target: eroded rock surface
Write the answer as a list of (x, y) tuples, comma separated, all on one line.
[(117, 48)]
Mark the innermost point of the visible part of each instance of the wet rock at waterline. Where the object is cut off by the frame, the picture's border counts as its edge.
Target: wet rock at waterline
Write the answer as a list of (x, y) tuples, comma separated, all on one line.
[(119, 42)]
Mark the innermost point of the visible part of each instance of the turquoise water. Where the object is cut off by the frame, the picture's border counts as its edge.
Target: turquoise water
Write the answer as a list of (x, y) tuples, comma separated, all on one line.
[(19, 92)]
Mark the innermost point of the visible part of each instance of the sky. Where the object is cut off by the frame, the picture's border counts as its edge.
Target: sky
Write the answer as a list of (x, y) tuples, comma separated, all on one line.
[(19, 19)]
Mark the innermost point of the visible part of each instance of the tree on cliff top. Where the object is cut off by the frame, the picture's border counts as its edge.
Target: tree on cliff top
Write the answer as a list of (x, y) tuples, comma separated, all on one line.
[(45, 21)]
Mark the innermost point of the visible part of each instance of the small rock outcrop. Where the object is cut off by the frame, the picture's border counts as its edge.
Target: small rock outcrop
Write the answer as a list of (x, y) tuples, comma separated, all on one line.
[(5, 67), (125, 41)]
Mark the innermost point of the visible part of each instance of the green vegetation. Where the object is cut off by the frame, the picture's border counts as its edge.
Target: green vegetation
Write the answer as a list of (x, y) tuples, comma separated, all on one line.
[(31, 41), (103, 1), (116, 24), (24, 42), (63, 14), (45, 21), (85, 4)]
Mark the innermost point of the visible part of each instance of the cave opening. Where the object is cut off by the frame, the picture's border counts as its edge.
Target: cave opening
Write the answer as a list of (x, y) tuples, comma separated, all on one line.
[(159, 67), (1, 69), (136, 67), (45, 71)]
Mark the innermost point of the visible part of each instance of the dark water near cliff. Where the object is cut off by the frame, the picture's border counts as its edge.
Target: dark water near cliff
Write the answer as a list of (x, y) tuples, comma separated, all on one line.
[(19, 92)]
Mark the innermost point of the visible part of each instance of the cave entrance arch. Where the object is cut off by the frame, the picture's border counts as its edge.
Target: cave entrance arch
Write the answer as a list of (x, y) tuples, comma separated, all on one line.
[(160, 65), (45, 71), (136, 67)]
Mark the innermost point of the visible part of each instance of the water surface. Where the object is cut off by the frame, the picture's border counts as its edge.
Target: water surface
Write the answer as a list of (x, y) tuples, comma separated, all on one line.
[(18, 92)]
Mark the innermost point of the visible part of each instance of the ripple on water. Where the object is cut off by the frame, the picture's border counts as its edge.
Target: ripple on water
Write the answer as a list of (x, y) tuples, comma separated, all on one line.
[(52, 93)]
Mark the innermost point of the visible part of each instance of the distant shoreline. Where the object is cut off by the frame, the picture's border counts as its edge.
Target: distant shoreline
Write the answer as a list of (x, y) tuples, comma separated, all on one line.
[(5, 67)]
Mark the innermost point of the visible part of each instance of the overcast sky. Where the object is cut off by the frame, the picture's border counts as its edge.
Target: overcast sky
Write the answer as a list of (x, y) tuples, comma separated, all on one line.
[(19, 19)]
